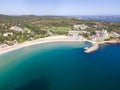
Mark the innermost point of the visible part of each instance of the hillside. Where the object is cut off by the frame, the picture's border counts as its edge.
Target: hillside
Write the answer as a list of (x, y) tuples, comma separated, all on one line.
[(17, 29)]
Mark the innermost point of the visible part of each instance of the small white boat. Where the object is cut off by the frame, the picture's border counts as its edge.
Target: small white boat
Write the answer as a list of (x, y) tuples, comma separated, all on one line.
[(86, 48)]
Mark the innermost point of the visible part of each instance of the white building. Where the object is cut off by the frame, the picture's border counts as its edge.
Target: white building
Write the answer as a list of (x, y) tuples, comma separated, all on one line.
[(6, 34), (80, 26), (3, 45), (77, 33), (73, 33), (16, 28), (93, 38), (104, 34), (101, 35), (114, 35)]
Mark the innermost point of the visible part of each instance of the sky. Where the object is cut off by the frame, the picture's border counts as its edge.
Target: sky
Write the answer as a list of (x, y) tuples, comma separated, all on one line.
[(60, 7)]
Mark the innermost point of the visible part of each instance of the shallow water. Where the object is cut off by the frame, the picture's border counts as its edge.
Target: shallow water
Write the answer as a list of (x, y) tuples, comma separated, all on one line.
[(61, 66)]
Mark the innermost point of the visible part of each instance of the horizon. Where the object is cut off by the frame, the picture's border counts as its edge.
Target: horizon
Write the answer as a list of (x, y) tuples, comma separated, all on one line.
[(60, 7), (58, 15)]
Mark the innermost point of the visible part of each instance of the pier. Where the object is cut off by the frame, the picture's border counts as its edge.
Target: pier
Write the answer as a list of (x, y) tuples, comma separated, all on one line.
[(94, 47)]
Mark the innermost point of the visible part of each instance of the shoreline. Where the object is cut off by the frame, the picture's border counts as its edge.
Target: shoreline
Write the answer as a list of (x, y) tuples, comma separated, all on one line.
[(40, 41), (95, 45), (61, 38), (93, 48)]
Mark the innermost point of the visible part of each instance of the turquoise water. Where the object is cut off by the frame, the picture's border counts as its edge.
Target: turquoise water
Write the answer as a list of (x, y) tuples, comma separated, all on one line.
[(61, 66)]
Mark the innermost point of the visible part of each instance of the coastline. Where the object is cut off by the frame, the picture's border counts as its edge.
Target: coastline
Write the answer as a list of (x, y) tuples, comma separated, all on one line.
[(95, 45), (39, 41), (93, 48)]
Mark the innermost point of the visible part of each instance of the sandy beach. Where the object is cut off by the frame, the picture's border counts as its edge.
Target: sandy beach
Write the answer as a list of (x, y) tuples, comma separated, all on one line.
[(94, 47), (39, 41)]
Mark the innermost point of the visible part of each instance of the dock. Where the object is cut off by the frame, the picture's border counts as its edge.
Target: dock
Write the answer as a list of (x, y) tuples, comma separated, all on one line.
[(93, 48)]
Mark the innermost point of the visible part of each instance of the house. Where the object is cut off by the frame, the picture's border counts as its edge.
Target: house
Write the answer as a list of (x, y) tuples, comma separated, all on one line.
[(93, 38), (73, 33), (16, 28), (95, 26), (85, 32), (3, 45), (80, 26), (2, 25), (114, 35), (8, 33)]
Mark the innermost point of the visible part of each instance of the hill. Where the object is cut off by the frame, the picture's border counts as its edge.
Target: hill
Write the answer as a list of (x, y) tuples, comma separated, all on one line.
[(17, 29)]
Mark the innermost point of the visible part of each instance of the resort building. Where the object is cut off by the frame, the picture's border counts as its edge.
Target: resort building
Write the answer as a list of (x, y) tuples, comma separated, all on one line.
[(3, 46), (100, 35), (75, 35), (84, 32), (114, 35), (80, 27)]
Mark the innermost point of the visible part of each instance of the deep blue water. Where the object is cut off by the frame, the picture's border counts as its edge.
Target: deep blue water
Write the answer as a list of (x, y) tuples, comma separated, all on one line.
[(102, 18), (61, 66)]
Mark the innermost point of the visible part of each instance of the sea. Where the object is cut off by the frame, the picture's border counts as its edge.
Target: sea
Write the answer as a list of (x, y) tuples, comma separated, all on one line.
[(61, 66), (109, 18)]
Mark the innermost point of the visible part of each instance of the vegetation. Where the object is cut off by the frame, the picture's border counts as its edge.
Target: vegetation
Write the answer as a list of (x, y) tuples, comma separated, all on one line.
[(42, 26)]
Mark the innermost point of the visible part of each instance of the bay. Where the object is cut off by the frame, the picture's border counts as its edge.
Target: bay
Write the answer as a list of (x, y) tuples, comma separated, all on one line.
[(61, 66)]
